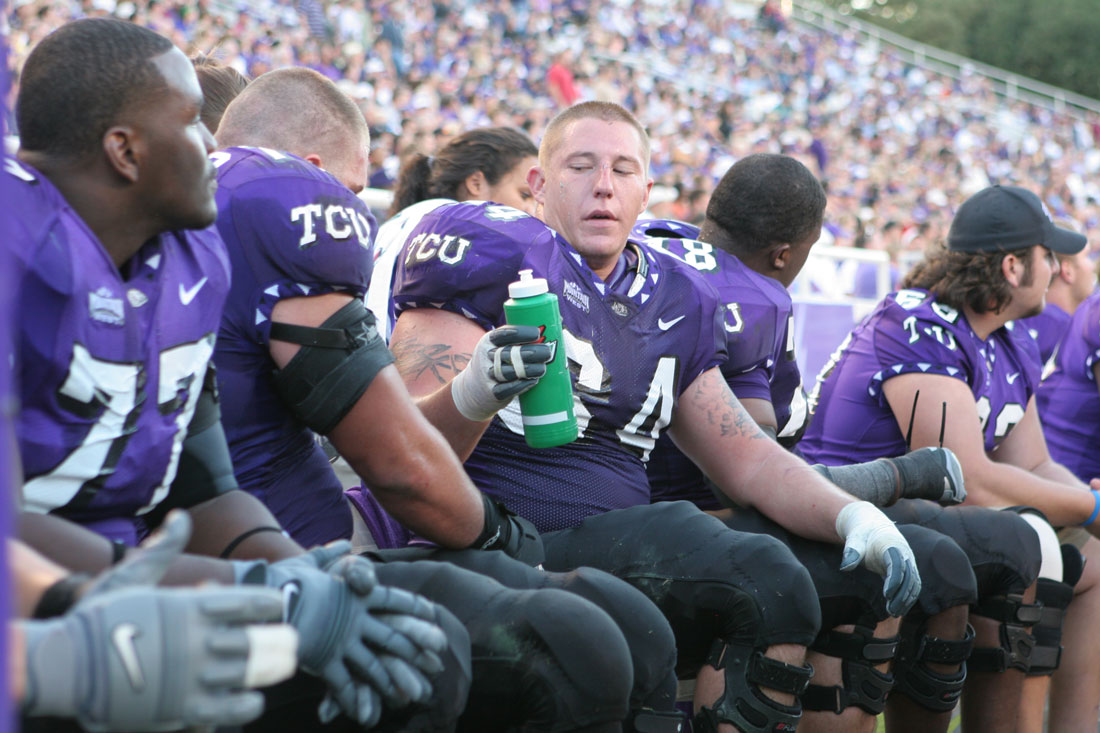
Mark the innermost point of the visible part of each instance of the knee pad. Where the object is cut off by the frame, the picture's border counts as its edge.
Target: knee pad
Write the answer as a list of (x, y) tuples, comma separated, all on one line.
[(647, 633), (742, 703), (932, 690), (1055, 597), (863, 685), (555, 663), (1016, 642), (1050, 552), (1001, 546)]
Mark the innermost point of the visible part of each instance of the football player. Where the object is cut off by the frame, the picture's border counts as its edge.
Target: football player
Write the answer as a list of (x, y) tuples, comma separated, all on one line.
[(121, 285), (941, 361), (1067, 399), (765, 215), (298, 353), (1075, 281), (644, 337)]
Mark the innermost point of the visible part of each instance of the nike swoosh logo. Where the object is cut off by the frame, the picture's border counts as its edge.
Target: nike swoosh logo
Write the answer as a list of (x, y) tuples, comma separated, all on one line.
[(188, 294), (291, 592), (665, 325), (123, 639), (1012, 377)]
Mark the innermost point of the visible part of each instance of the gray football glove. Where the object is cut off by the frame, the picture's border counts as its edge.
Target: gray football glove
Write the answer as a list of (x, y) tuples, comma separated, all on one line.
[(932, 473), (146, 659), (872, 539), (506, 362), (365, 641)]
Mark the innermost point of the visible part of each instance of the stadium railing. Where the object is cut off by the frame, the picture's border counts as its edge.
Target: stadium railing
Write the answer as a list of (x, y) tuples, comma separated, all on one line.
[(1006, 84)]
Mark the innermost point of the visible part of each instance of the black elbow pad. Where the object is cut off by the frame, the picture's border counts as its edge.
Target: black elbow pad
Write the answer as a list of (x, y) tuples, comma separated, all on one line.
[(334, 367)]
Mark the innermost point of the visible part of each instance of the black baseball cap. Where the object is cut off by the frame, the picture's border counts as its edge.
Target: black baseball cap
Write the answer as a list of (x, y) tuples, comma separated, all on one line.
[(1001, 218)]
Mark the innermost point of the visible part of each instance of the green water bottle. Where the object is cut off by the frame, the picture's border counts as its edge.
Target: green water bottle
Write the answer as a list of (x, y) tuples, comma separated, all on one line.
[(547, 408)]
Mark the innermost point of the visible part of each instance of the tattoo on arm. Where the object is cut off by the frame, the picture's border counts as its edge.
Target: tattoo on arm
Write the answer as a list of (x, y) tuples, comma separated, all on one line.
[(728, 414), (414, 359)]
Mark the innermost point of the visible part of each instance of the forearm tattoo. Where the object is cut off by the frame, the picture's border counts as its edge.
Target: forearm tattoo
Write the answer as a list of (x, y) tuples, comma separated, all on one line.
[(414, 359), (728, 413)]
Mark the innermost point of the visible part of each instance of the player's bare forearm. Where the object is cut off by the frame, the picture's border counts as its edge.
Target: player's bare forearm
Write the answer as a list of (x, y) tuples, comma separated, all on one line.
[(436, 509), (82, 551), (431, 347), (221, 521), (763, 413), (1051, 470), (426, 367), (33, 574), (997, 484), (713, 429), (434, 498), (408, 464)]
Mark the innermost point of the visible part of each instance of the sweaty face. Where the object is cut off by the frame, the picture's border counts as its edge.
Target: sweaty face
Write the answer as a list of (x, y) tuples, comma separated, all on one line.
[(594, 187), (512, 188), (176, 175)]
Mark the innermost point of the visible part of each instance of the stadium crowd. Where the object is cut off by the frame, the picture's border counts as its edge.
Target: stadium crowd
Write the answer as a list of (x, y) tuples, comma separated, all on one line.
[(897, 146), (203, 310)]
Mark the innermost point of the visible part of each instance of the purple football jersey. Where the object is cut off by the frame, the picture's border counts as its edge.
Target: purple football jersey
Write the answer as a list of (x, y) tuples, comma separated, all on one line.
[(757, 311), (910, 332), (388, 244), (112, 363), (1047, 329), (634, 343), (7, 397), (292, 230), (1068, 400)]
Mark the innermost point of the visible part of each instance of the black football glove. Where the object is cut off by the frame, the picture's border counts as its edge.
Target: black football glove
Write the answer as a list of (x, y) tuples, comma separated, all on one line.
[(510, 533)]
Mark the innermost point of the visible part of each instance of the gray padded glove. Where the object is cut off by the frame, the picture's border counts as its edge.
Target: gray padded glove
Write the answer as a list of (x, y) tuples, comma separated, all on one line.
[(872, 539), (507, 361), (365, 641), (149, 659)]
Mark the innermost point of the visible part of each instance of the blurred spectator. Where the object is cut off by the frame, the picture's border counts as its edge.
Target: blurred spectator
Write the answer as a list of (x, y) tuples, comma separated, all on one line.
[(714, 81), (559, 79)]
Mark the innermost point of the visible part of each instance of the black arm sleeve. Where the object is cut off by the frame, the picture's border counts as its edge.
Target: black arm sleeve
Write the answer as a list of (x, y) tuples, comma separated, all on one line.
[(205, 468), (334, 367)]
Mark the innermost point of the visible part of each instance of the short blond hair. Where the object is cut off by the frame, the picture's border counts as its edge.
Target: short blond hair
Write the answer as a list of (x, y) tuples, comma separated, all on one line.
[(294, 110), (606, 111)]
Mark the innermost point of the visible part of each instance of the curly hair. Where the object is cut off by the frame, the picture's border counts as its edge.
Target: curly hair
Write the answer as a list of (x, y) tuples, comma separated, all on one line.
[(971, 279), (764, 199)]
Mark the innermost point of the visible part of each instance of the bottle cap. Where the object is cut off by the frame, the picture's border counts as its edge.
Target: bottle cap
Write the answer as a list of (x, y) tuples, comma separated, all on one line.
[(527, 286)]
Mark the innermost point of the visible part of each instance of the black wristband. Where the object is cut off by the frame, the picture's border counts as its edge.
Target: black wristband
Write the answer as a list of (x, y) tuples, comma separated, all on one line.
[(491, 533), (60, 597), (118, 551), (244, 536)]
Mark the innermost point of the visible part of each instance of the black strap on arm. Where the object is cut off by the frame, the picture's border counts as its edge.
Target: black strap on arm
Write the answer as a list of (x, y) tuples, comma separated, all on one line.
[(325, 338), (334, 367)]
